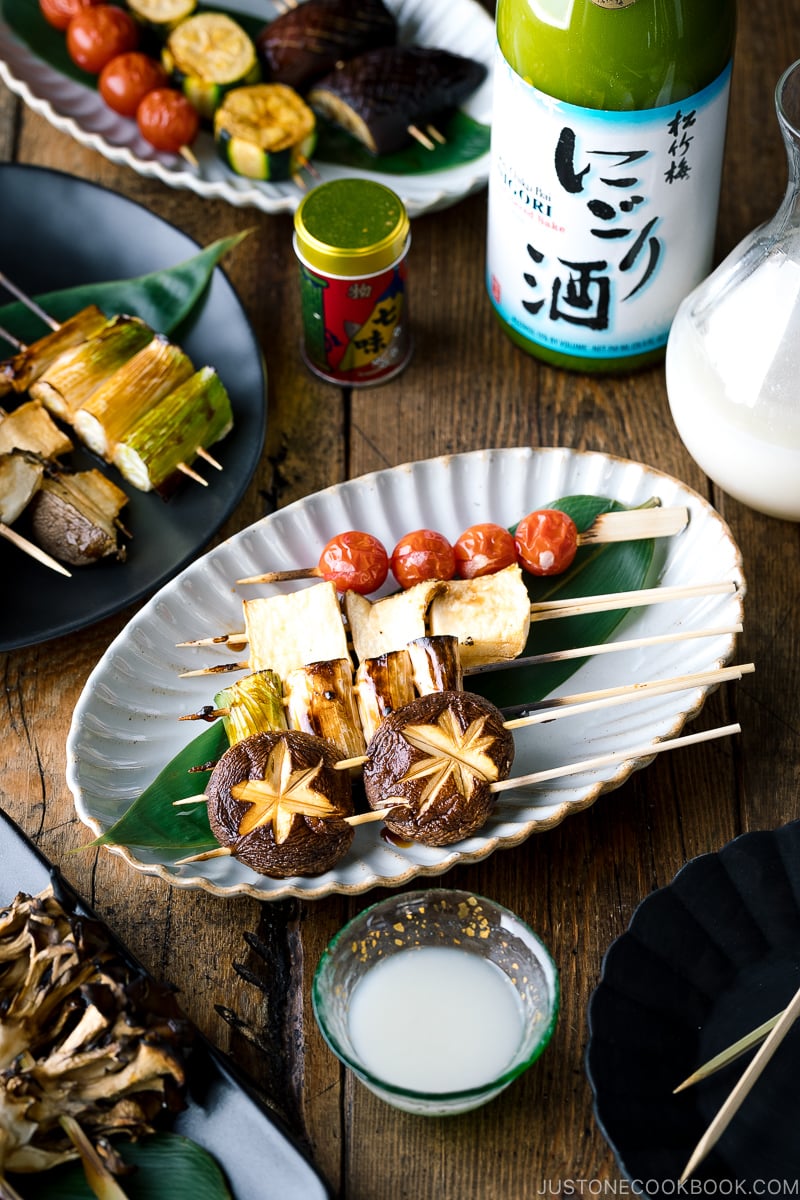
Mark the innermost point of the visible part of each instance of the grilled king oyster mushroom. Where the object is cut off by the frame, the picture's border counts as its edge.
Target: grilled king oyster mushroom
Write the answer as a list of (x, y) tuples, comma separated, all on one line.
[(307, 41), (276, 800), (435, 759), (377, 96)]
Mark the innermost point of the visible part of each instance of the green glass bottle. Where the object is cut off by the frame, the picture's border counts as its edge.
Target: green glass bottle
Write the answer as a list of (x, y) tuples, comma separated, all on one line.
[(607, 143)]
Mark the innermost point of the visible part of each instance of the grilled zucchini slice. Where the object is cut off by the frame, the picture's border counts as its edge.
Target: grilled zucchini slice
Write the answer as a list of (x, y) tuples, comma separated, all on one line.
[(265, 131), (206, 56)]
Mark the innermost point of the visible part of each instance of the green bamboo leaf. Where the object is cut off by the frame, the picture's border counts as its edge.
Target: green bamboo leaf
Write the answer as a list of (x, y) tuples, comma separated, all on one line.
[(163, 299), (609, 567), (154, 821), (167, 1167), (465, 140)]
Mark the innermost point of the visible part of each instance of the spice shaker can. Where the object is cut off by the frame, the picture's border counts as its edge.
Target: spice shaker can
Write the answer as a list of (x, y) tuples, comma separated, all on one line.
[(351, 239)]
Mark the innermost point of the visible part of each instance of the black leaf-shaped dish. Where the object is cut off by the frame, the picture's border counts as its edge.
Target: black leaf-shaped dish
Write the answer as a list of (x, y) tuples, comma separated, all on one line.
[(258, 1157), (704, 961)]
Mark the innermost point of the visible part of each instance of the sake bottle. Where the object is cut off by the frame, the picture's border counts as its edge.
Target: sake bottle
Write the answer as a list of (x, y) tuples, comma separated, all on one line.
[(608, 135)]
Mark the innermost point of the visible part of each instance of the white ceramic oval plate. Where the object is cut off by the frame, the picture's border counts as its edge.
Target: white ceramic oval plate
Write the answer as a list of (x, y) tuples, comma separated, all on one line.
[(125, 726), (460, 26)]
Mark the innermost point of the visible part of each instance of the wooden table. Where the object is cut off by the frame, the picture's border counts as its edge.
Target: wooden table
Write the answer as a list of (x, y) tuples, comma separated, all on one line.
[(466, 387)]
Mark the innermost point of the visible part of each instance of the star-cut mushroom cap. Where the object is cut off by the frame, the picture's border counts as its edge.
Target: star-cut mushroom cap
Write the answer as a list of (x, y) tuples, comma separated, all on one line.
[(435, 759), (278, 802)]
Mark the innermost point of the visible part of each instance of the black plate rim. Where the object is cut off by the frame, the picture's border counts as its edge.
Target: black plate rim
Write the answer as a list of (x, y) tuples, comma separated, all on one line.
[(240, 451), (744, 842)]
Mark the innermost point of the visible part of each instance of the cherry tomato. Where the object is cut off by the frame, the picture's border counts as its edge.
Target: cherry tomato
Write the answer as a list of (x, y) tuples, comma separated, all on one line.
[(483, 550), (125, 81), (167, 120), (421, 556), (99, 33), (355, 562), (546, 541), (59, 13)]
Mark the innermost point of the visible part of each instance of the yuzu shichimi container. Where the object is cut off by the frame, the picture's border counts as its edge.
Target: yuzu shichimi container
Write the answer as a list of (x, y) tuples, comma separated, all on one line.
[(352, 238)]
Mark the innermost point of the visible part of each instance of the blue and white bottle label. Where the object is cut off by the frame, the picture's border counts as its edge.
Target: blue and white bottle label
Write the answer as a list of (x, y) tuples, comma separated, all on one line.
[(600, 222)]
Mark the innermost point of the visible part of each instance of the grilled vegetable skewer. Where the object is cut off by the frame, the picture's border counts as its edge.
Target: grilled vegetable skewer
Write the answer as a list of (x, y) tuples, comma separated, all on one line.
[(306, 42)]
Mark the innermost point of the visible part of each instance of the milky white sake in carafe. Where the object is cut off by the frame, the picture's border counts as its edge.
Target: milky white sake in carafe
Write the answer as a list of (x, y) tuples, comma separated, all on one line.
[(733, 357), (607, 145)]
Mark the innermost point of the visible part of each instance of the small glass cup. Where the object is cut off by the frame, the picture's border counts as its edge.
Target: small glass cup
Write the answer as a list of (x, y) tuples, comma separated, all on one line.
[(444, 918)]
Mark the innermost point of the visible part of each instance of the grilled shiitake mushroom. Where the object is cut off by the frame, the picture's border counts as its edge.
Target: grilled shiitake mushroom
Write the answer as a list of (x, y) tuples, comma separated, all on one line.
[(278, 803), (378, 95), (436, 759), (306, 42)]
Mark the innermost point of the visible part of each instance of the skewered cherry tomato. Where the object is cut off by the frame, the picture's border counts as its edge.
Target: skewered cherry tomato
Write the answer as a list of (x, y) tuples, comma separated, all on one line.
[(355, 562), (167, 120), (546, 541), (59, 13), (483, 550), (126, 79), (99, 33), (421, 556)]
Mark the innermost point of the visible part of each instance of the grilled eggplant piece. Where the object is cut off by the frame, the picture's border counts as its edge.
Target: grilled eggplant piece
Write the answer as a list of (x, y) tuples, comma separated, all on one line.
[(378, 95), (18, 373), (74, 517), (433, 762), (278, 803), (308, 41)]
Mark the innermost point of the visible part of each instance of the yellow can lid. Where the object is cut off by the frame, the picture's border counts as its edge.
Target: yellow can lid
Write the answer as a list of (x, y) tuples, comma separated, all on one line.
[(351, 227)]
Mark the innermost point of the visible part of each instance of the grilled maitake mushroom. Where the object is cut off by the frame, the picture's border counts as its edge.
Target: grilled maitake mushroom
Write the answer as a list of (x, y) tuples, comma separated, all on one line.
[(89, 1045), (435, 759)]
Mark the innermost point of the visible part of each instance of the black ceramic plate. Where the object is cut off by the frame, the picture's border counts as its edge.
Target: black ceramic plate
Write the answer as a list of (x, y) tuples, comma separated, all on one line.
[(259, 1159), (57, 231), (704, 960)]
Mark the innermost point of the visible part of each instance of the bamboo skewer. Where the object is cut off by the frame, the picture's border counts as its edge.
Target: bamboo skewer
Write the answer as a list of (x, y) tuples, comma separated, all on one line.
[(28, 547), (30, 303), (504, 784), (730, 1054), (632, 525), (544, 611), (581, 703), (741, 1090)]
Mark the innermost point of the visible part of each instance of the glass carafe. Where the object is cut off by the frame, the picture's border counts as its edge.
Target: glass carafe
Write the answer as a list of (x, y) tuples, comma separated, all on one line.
[(733, 355)]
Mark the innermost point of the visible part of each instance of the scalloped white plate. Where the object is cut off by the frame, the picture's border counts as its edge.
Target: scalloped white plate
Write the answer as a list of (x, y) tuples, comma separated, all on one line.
[(125, 726), (461, 26)]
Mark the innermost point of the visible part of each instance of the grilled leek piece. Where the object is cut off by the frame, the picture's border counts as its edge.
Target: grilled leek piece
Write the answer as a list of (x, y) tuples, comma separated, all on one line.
[(251, 705), (196, 414), (320, 700), (69, 381), (265, 131), (290, 630), (30, 427), (19, 372), (119, 403), (74, 517)]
